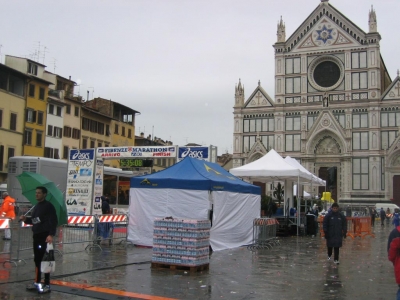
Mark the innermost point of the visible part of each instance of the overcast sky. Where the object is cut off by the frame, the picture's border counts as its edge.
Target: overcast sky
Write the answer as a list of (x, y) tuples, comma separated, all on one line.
[(174, 61)]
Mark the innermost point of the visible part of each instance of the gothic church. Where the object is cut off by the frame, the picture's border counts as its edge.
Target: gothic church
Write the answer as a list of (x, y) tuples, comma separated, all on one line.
[(335, 109)]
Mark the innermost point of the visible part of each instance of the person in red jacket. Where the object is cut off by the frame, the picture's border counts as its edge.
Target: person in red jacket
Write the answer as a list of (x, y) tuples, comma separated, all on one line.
[(394, 255), (7, 210)]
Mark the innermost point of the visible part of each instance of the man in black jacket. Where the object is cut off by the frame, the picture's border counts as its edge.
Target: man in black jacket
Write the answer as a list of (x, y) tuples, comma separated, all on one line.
[(44, 221), (335, 229)]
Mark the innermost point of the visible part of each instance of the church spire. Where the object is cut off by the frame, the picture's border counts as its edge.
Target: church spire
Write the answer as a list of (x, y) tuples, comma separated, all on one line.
[(373, 25), (281, 32), (239, 94)]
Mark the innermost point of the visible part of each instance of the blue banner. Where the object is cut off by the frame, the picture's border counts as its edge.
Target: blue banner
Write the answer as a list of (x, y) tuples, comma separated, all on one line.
[(82, 154), (193, 152)]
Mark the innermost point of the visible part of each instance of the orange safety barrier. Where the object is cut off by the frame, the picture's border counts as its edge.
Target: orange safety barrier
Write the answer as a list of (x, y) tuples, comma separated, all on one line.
[(356, 227)]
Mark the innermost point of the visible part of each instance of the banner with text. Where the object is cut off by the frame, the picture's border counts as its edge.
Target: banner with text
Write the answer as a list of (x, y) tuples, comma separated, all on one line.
[(98, 186), (80, 181), (193, 152), (136, 152)]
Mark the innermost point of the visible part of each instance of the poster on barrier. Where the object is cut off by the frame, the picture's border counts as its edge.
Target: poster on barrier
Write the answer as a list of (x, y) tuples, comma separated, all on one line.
[(98, 186), (79, 193)]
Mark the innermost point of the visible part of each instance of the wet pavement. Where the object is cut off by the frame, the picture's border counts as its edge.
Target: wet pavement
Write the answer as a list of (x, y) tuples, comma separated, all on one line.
[(297, 269)]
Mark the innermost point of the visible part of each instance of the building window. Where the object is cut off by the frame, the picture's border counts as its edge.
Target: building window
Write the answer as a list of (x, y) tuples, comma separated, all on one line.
[(390, 119), (360, 174), (123, 131), (76, 134), (31, 90), (116, 129), (99, 144), (268, 141), (39, 137), (108, 130), (48, 152), (67, 131), (68, 109), (49, 130), (59, 108), (51, 109), (360, 141), (292, 123), (76, 111), (359, 80), (65, 152), (248, 142), (28, 137), (258, 125), (16, 86), (129, 133), (41, 93), (293, 65), (40, 118), (92, 144), (84, 143), (292, 142), (293, 85), (1, 118), (30, 116), (341, 118), (11, 153), (360, 120), (32, 68), (358, 60), (57, 132), (56, 154), (387, 138), (311, 117), (13, 121)]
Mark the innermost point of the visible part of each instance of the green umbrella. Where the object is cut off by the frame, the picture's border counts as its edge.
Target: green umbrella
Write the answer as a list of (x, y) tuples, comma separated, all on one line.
[(29, 181)]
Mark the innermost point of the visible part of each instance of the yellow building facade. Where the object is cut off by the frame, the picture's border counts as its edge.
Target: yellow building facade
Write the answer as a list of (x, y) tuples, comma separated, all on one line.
[(12, 113)]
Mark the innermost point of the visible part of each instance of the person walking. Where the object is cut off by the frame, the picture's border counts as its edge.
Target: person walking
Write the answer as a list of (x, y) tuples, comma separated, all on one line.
[(373, 214), (393, 248), (44, 221), (382, 215), (396, 218), (335, 229), (7, 210)]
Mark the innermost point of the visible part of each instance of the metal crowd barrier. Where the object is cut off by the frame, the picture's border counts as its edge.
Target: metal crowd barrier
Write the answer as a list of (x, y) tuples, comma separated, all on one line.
[(111, 230), (264, 233), (80, 234)]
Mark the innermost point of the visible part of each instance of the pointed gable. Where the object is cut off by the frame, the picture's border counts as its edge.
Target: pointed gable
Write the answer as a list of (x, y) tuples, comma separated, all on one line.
[(325, 27), (259, 98), (393, 91)]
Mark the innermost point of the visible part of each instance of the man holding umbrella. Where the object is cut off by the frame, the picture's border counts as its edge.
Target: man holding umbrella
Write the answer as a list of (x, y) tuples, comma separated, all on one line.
[(44, 221)]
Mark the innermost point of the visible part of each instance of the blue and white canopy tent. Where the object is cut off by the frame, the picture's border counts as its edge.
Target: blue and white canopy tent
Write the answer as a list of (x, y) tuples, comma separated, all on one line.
[(188, 190)]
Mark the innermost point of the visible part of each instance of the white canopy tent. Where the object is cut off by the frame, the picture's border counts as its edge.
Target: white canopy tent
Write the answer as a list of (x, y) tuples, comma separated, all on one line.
[(272, 167)]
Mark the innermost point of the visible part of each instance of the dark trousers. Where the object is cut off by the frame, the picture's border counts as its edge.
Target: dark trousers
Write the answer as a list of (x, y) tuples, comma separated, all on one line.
[(39, 249), (335, 252)]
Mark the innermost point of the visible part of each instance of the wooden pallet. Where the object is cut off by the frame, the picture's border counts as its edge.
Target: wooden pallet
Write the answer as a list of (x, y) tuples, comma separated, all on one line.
[(156, 265)]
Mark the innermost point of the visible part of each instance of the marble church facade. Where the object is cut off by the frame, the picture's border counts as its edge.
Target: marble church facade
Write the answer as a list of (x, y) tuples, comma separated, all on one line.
[(335, 108)]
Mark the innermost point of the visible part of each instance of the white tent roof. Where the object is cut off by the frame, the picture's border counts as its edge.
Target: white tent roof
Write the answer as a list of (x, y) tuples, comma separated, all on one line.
[(270, 167), (315, 180)]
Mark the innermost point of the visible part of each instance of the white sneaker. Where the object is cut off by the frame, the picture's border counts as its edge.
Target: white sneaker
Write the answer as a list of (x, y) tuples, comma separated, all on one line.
[(336, 262), (329, 258)]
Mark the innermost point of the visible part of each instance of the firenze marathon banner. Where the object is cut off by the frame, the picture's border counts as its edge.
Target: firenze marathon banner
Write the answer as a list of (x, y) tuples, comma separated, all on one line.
[(136, 152), (80, 181), (194, 152)]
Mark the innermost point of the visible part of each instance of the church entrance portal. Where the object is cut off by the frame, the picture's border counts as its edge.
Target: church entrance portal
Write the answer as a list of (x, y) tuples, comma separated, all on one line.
[(329, 174)]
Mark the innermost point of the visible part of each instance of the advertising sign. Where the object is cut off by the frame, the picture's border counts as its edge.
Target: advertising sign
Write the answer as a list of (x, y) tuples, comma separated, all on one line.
[(194, 152), (79, 193), (98, 186), (136, 152)]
